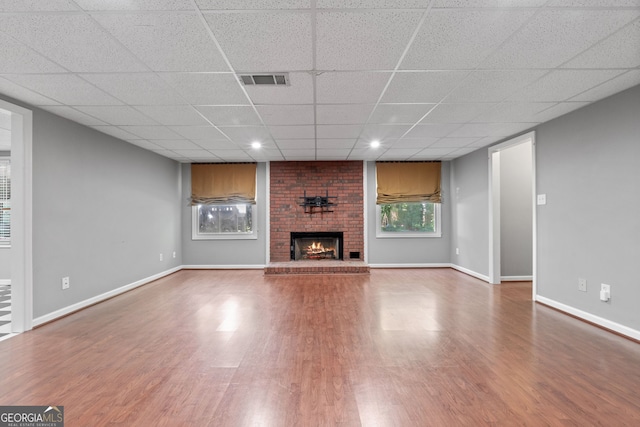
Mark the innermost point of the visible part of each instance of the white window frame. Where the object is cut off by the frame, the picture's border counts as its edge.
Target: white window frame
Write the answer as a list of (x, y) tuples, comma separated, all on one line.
[(380, 234), (197, 235), (7, 243)]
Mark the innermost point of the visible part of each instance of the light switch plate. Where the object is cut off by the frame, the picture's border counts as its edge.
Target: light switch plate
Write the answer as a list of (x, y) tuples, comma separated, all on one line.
[(542, 199)]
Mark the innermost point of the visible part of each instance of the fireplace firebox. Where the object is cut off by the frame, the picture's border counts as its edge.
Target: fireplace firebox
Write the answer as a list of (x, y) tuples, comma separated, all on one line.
[(325, 245)]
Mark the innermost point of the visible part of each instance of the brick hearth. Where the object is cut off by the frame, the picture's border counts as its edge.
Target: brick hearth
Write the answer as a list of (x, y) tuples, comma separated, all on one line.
[(289, 181)]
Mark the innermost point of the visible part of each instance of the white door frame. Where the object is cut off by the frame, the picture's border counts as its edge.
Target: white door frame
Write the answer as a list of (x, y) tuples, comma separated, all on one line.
[(494, 208), (21, 217)]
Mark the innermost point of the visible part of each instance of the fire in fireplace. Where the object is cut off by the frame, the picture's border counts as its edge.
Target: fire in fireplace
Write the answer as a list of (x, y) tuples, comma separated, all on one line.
[(316, 246)]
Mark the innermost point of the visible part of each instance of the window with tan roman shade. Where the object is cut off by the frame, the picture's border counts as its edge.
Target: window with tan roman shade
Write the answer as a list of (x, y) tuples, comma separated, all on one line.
[(400, 182), (223, 183)]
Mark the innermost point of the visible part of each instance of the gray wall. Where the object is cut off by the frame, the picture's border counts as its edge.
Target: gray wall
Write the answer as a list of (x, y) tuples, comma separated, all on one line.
[(408, 250), (470, 212), (516, 217), (225, 252), (587, 164), (103, 211)]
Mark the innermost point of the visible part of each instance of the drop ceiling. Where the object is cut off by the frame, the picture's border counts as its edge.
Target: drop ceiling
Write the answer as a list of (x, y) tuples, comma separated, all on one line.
[(428, 79)]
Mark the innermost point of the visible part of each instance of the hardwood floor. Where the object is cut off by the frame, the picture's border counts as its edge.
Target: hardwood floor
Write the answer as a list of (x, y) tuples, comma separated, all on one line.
[(395, 348)]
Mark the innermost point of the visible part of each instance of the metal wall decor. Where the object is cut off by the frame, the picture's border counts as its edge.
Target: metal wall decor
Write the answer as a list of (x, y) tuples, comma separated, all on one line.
[(317, 204)]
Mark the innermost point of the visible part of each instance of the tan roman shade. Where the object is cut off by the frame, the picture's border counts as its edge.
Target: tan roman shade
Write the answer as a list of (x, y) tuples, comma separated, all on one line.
[(408, 182), (224, 183)]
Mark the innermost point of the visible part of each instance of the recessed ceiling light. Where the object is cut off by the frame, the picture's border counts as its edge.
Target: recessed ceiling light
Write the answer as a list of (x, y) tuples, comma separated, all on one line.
[(256, 145), (375, 143)]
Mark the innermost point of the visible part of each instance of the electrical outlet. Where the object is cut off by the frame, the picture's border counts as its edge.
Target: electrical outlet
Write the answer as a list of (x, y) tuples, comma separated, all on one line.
[(161, 257), (582, 285), (457, 251), (65, 283), (174, 254), (605, 292)]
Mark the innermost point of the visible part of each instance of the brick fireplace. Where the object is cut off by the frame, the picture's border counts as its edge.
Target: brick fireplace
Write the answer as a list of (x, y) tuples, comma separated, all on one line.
[(290, 180)]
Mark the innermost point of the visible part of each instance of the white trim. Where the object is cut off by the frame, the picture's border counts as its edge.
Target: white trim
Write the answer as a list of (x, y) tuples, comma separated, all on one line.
[(267, 204), (608, 324), (5, 282), (471, 273), (429, 265), (8, 336), (99, 298), (516, 278), (224, 267), (365, 217)]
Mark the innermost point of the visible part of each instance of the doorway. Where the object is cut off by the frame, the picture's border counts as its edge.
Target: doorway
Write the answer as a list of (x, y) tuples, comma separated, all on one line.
[(512, 211), (21, 260)]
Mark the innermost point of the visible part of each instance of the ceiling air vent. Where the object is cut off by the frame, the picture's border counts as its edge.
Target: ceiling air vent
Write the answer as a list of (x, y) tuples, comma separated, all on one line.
[(280, 79)]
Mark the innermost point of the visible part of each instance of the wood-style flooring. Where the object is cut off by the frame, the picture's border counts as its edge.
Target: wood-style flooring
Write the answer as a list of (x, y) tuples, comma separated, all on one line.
[(410, 347)]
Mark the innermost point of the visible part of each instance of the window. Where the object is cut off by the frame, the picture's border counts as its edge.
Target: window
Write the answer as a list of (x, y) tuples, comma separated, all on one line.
[(408, 219), (5, 201), (231, 221)]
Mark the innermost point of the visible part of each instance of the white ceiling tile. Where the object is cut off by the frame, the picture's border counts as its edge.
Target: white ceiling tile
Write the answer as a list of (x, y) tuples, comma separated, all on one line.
[(18, 58), (453, 142), (198, 132), (37, 6), (492, 85), (333, 153), (594, 3), (432, 153), (252, 4), (456, 113), (363, 40), (8, 88), (350, 88), (364, 154), (327, 144), (559, 110), (399, 153), (251, 44), (151, 132), (196, 154), (186, 45), (234, 155), (399, 113), (73, 114), (338, 131), (74, 41), (383, 132), (346, 114), (371, 4), (116, 132), (296, 144), (65, 88), (414, 142), (207, 88), (216, 144), (621, 50), (462, 151), (297, 155), (173, 114), (117, 115), (246, 134), (560, 85), (230, 115), (488, 3), (483, 142), (176, 144), (136, 89), (264, 155), (618, 84), (479, 130), (286, 114), (171, 155), (423, 87), (143, 143), (568, 32), (513, 112), (292, 132), (94, 5), (455, 39), (432, 130), (299, 91)]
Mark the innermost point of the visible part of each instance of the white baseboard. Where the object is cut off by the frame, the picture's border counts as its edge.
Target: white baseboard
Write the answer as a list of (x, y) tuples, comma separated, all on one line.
[(224, 267), (516, 278), (431, 265), (471, 273), (98, 298), (608, 324), (5, 282)]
